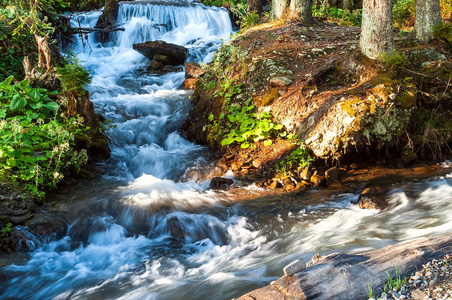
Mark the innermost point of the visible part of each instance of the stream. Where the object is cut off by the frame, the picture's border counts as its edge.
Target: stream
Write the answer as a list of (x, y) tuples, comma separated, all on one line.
[(151, 228)]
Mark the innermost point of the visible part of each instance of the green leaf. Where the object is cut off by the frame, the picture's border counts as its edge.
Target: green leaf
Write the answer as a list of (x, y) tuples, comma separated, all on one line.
[(51, 105), (227, 141), (265, 126), (268, 142), (18, 102), (34, 95), (37, 105), (2, 113), (245, 145), (41, 158)]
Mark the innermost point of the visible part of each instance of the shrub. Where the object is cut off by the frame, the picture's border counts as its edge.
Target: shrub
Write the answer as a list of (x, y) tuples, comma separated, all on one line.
[(37, 141)]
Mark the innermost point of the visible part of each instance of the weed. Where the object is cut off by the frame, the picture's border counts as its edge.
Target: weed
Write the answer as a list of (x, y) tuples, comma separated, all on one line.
[(5, 232), (298, 159)]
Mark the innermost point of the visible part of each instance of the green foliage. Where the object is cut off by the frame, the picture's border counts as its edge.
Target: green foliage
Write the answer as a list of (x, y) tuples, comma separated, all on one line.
[(6, 231), (403, 13), (15, 42), (394, 59), (250, 19), (396, 282), (369, 289), (37, 142), (245, 126), (338, 15), (443, 31), (74, 77), (299, 158)]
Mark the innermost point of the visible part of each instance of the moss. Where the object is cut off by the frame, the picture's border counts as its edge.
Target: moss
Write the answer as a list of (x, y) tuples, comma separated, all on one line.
[(407, 99), (383, 78)]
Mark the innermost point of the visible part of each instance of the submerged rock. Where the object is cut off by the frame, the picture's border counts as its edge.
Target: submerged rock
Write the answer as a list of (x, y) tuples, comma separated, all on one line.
[(218, 182), (371, 198)]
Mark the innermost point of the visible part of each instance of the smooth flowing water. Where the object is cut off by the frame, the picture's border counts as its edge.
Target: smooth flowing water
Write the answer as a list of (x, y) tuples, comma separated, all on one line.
[(151, 228)]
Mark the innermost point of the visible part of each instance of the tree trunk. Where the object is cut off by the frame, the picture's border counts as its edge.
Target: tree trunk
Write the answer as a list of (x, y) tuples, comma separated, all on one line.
[(340, 276), (428, 14), (255, 6), (278, 8), (107, 19), (376, 28), (301, 9)]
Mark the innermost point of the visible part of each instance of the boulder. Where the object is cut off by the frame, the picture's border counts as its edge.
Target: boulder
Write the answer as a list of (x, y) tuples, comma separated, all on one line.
[(193, 70), (371, 198), (218, 182), (171, 53)]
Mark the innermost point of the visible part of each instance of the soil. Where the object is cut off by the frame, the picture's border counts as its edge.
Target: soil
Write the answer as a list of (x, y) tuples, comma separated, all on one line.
[(323, 66)]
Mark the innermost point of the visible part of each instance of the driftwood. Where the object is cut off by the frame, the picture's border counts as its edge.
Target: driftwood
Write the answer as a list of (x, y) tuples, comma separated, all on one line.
[(345, 276)]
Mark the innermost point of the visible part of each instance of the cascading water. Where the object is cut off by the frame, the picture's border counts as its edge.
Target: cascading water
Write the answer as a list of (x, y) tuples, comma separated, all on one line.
[(148, 230)]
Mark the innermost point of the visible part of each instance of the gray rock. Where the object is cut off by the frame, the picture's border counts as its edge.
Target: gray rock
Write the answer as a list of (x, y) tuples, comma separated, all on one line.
[(280, 81)]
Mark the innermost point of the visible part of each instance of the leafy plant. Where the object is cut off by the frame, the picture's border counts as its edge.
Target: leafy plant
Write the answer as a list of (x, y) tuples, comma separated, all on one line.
[(246, 126), (403, 13), (443, 31), (250, 19), (339, 15), (298, 159), (5, 232), (37, 142), (74, 77)]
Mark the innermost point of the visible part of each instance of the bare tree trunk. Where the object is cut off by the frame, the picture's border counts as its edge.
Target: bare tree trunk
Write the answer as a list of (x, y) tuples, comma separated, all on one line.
[(44, 53), (376, 28), (255, 6), (278, 8), (428, 14), (301, 9)]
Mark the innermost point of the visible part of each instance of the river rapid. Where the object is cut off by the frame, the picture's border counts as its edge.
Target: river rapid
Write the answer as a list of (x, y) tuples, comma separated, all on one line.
[(151, 228)]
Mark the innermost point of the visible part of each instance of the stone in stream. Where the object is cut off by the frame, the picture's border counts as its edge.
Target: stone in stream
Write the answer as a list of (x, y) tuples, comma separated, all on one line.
[(370, 199), (174, 54), (193, 70), (218, 182)]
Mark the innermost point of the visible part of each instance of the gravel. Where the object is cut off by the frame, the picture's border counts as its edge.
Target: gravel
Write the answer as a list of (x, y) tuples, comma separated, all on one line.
[(433, 282)]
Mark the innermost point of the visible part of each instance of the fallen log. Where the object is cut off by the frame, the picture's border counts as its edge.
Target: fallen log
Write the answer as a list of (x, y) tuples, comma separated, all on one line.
[(78, 30), (347, 276)]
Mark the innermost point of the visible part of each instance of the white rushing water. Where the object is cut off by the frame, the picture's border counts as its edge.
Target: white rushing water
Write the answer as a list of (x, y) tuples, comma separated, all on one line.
[(159, 235)]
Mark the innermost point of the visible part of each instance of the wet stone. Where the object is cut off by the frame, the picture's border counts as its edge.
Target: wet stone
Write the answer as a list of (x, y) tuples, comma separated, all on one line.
[(218, 182)]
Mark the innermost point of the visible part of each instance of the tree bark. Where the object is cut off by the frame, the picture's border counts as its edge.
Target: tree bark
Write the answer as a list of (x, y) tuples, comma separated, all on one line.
[(428, 14), (376, 28), (255, 6), (278, 8), (301, 9)]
